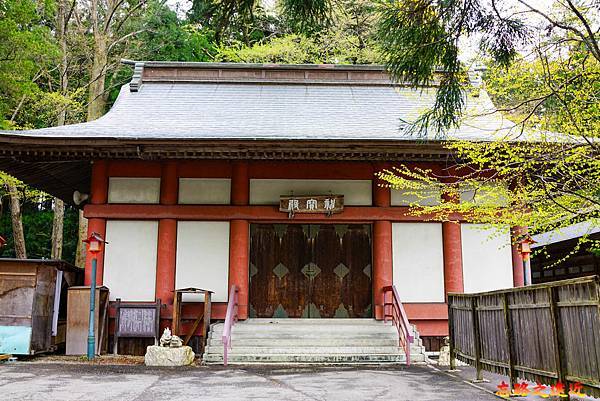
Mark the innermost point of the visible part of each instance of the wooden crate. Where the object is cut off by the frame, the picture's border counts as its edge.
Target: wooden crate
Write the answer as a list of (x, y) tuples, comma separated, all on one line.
[(78, 316), (31, 311)]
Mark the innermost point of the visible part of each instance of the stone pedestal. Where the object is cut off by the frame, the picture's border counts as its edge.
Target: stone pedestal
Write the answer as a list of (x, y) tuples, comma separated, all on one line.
[(444, 359), (165, 356)]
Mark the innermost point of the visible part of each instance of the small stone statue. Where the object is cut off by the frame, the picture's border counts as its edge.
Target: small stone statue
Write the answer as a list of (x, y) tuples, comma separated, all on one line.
[(444, 359), (170, 340), (165, 339), (175, 342)]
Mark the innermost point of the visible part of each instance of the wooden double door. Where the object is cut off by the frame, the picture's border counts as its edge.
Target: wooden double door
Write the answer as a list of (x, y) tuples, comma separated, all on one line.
[(310, 270)]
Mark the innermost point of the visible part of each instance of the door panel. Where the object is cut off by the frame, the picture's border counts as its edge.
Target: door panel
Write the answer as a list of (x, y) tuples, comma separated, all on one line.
[(343, 288), (277, 254), (310, 270)]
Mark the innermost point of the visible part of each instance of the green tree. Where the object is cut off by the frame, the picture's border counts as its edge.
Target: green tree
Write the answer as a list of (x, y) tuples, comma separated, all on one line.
[(347, 37), (546, 169), (27, 55)]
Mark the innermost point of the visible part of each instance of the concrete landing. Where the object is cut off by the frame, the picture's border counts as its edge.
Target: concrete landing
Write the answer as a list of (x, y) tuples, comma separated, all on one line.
[(311, 341)]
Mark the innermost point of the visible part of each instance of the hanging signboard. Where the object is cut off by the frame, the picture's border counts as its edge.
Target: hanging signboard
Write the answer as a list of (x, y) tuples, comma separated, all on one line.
[(326, 204)]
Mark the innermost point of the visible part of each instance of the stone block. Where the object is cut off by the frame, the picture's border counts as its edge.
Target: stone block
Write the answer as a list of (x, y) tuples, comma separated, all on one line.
[(165, 356)]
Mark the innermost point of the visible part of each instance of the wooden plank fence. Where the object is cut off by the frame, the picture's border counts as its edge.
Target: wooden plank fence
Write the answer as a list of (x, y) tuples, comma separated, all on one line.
[(543, 333)]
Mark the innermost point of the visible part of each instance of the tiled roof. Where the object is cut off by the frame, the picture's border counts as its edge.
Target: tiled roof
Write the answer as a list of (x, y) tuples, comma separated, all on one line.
[(188, 101)]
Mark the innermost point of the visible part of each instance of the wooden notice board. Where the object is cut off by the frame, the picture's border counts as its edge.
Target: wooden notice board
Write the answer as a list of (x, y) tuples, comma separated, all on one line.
[(139, 320)]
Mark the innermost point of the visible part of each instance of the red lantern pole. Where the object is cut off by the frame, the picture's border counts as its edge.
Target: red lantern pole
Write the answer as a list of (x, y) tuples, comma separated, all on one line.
[(525, 251), (94, 243)]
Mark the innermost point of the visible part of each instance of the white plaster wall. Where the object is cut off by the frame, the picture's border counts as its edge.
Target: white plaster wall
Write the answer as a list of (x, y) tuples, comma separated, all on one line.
[(133, 190), (130, 259), (487, 258), (490, 194), (267, 191), (204, 191), (403, 197), (203, 258), (418, 261)]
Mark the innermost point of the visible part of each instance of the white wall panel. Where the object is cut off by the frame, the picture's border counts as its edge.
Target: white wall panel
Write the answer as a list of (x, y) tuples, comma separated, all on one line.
[(203, 257), (489, 194), (204, 191), (487, 258), (403, 197), (133, 190), (267, 191), (130, 259), (418, 261)]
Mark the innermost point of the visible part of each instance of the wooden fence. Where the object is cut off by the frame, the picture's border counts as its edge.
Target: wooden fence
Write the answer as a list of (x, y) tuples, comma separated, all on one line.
[(544, 333)]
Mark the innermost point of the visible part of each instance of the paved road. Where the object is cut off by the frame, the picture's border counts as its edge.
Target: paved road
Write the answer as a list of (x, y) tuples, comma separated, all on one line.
[(66, 382)]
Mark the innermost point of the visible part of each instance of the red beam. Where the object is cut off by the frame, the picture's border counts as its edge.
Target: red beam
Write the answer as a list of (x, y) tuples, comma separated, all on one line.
[(431, 311), (253, 213)]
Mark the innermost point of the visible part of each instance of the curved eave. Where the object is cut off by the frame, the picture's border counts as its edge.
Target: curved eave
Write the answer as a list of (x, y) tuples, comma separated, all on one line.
[(39, 148), (60, 166)]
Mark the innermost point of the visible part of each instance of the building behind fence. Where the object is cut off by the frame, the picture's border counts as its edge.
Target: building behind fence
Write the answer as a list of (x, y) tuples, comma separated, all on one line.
[(544, 333)]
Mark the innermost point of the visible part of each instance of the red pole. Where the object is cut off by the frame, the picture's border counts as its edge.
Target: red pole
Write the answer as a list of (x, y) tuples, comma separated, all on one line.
[(452, 251), (239, 237), (517, 259), (239, 241), (383, 274), (167, 236), (165, 260), (98, 196), (382, 263)]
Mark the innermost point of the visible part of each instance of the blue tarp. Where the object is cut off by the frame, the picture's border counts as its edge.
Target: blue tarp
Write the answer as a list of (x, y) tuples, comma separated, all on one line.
[(15, 340)]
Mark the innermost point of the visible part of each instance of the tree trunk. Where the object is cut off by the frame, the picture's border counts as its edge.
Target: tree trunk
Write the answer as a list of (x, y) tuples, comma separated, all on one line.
[(96, 96), (17, 222), (61, 36), (57, 229), (58, 220), (81, 235)]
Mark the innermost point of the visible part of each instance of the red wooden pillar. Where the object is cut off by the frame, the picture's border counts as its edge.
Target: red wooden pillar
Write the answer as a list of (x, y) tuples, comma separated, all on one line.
[(167, 235), (382, 263), (98, 196), (382, 246), (517, 260), (452, 251), (239, 237), (381, 195)]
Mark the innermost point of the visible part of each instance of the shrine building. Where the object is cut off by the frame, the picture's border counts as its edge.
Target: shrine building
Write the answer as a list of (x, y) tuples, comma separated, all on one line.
[(263, 176)]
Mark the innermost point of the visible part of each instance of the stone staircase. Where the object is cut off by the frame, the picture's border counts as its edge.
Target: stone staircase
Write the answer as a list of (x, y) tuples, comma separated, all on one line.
[(308, 341)]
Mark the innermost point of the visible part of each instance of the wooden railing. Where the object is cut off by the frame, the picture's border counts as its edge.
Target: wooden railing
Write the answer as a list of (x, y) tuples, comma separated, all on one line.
[(230, 319), (544, 333), (393, 309)]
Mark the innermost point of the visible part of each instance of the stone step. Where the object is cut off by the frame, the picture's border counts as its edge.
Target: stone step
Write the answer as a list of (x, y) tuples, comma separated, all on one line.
[(308, 341), (307, 334), (312, 359), (306, 350), (305, 321), (318, 350), (322, 330)]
